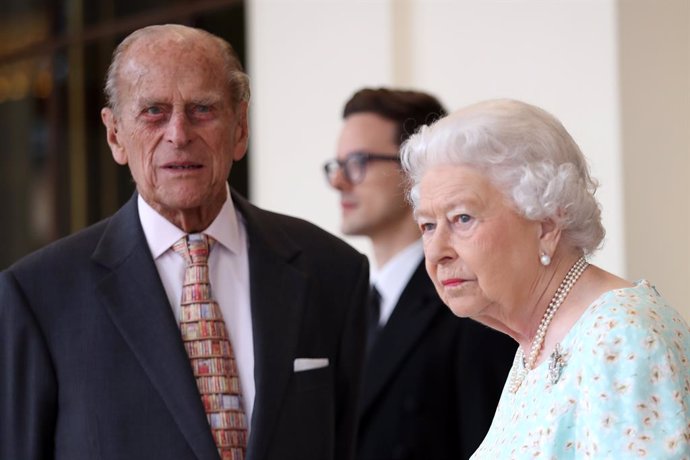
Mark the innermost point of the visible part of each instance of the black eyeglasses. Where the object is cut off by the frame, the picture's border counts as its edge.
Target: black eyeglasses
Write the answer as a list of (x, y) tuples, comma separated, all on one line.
[(354, 167)]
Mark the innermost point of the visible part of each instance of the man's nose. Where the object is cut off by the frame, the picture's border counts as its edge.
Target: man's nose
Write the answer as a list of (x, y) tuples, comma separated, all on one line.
[(338, 180), (179, 131)]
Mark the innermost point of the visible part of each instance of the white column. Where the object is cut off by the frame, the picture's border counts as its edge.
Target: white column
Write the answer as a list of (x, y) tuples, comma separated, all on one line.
[(306, 57)]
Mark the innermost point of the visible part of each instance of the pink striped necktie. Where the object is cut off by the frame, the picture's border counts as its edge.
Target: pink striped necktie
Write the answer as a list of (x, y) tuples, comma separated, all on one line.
[(210, 352)]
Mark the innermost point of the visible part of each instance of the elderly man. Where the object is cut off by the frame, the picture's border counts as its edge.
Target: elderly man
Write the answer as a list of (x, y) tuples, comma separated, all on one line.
[(190, 324)]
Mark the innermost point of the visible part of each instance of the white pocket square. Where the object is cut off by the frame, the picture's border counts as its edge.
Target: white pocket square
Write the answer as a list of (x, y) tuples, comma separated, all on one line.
[(307, 364)]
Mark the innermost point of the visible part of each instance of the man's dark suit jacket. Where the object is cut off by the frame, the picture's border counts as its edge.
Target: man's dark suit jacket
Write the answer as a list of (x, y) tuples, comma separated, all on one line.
[(92, 365), (431, 381)]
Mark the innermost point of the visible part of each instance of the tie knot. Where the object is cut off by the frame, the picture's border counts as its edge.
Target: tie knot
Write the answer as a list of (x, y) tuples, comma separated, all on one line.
[(194, 248)]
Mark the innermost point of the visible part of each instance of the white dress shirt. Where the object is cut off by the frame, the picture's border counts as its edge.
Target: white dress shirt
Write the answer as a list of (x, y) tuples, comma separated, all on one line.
[(391, 279), (228, 272)]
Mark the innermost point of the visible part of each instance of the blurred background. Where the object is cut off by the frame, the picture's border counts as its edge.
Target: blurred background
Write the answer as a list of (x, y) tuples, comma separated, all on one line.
[(615, 72), (56, 171)]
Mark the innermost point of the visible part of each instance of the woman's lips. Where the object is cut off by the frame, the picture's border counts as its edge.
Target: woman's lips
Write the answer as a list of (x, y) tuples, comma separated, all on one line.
[(451, 282)]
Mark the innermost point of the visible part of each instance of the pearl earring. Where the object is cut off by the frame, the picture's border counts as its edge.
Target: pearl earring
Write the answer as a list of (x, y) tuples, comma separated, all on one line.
[(545, 259)]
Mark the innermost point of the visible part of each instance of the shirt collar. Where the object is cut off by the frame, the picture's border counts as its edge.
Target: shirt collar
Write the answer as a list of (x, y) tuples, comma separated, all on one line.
[(391, 279), (161, 234)]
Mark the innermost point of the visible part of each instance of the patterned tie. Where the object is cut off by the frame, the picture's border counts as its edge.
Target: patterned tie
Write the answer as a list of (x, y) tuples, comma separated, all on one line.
[(210, 352)]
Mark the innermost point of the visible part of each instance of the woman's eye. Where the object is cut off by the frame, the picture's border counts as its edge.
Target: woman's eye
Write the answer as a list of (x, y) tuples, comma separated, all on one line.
[(426, 227), (462, 219)]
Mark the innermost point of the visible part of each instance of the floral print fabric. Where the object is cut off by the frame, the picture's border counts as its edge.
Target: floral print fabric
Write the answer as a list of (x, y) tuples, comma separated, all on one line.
[(624, 390)]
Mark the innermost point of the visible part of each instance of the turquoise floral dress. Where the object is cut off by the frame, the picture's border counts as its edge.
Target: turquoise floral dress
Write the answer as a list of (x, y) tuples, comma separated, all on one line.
[(623, 391)]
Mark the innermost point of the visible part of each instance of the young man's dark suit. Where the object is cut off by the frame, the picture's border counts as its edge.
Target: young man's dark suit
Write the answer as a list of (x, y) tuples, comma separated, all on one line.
[(93, 366), (431, 382)]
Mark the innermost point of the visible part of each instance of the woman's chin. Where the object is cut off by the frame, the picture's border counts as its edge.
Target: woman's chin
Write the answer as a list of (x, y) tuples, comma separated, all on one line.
[(461, 310)]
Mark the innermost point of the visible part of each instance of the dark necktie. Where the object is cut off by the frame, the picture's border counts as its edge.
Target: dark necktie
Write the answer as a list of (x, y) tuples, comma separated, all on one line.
[(374, 316)]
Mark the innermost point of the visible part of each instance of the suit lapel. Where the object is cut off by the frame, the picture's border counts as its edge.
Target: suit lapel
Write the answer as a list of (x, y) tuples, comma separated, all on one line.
[(411, 317), (278, 296), (136, 302)]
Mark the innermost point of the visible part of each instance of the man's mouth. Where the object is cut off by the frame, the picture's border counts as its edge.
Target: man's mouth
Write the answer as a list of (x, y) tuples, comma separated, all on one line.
[(182, 166)]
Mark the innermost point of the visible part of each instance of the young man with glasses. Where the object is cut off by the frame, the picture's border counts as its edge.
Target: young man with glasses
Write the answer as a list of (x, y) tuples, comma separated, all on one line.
[(431, 380)]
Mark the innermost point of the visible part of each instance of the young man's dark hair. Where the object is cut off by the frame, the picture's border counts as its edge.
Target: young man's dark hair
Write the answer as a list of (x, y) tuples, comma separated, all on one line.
[(408, 109)]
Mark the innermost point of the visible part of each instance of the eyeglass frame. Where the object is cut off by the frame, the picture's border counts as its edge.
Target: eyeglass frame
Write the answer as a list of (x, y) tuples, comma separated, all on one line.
[(361, 159)]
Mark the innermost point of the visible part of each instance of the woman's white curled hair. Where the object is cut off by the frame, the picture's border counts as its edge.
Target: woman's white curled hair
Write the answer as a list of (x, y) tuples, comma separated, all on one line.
[(525, 152)]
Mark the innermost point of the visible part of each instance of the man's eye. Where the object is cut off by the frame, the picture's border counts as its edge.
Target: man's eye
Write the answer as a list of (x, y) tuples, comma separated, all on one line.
[(201, 112), (154, 110)]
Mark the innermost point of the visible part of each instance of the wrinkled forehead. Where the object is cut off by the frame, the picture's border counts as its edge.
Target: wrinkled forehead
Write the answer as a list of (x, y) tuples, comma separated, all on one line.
[(173, 39), (154, 64), (174, 48)]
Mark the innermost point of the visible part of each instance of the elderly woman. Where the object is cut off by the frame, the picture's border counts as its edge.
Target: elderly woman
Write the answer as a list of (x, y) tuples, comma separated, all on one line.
[(506, 206)]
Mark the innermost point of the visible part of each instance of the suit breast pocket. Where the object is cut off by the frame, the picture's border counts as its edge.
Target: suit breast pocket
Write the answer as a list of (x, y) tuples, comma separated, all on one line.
[(312, 379)]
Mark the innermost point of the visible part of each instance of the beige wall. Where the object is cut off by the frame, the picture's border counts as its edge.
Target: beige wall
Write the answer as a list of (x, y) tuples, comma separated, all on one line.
[(614, 72), (654, 55)]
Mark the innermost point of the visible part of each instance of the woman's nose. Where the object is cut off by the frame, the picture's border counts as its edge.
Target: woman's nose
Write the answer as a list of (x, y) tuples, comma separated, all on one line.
[(438, 246)]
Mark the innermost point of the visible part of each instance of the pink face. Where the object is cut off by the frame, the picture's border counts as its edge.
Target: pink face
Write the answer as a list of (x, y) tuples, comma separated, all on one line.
[(480, 253), (177, 129), (376, 206)]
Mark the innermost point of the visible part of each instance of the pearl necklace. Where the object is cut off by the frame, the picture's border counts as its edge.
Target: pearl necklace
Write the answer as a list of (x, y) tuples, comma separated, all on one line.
[(523, 367)]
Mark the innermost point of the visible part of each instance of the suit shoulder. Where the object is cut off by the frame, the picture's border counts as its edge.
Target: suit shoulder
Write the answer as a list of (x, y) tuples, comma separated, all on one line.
[(59, 254), (308, 235), (483, 339)]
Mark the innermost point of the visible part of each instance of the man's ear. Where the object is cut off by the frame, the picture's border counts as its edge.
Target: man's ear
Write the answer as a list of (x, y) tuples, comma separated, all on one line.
[(241, 131), (111, 134), (550, 235)]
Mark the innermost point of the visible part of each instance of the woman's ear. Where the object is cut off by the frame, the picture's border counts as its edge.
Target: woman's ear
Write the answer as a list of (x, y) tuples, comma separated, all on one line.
[(111, 134), (550, 235)]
